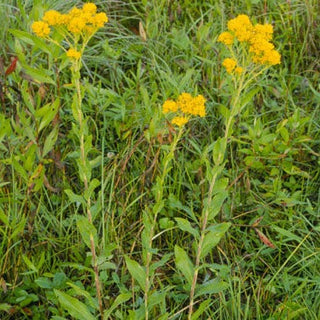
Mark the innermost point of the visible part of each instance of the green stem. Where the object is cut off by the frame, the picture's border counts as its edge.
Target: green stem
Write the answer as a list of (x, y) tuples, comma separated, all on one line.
[(158, 198), (84, 160), (205, 215)]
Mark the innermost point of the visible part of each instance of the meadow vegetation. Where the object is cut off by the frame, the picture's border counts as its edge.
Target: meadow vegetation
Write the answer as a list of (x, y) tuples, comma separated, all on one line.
[(159, 159)]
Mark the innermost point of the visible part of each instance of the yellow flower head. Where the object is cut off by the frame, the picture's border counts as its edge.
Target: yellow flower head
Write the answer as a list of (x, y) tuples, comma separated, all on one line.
[(53, 17), (226, 37), (229, 64), (169, 106), (197, 106), (100, 19), (263, 30), (242, 27), (76, 25), (90, 8), (184, 102), (74, 12), (41, 29), (258, 41), (179, 121), (73, 54), (238, 70)]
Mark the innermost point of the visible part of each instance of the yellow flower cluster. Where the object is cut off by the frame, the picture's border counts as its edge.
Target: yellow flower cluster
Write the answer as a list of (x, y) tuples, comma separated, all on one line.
[(179, 121), (231, 66), (85, 21), (187, 106), (41, 29), (73, 54), (258, 37)]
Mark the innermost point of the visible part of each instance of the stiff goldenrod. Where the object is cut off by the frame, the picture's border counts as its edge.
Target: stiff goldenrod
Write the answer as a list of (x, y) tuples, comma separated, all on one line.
[(73, 54), (41, 29), (185, 106), (76, 27), (256, 47)]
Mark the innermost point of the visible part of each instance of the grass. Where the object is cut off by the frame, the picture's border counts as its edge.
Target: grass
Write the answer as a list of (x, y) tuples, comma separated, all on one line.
[(272, 169)]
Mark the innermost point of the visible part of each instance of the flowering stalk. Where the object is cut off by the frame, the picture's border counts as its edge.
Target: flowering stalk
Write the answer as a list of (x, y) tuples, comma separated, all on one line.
[(183, 108), (84, 170), (244, 67), (158, 200), (76, 28)]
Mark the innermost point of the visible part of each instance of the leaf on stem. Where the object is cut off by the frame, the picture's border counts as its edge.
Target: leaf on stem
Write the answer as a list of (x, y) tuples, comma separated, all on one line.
[(75, 308), (185, 225), (137, 272), (184, 263)]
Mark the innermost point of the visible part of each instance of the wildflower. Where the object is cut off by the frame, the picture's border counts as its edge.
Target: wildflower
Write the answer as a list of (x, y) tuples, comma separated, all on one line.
[(89, 7), (242, 27), (169, 106), (76, 25), (41, 29), (179, 121), (73, 54), (52, 17), (74, 12), (229, 64), (258, 41), (100, 19), (238, 70), (264, 30), (226, 38), (198, 107), (184, 102)]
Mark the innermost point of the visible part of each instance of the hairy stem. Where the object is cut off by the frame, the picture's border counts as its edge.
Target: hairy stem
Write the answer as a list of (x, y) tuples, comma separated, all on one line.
[(205, 215), (84, 160), (158, 198)]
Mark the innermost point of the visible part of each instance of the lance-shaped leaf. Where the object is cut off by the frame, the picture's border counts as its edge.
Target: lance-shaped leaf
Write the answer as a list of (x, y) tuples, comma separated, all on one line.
[(185, 225), (75, 308), (137, 272), (87, 230), (184, 263)]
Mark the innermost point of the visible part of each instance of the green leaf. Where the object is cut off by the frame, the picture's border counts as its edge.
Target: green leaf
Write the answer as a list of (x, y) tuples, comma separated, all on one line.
[(219, 229), (287, 234), (87, 230), (94, 183), (184, 263), (47, 113), (137, 272), (50, 141), (185, 225), (211, 239), (74, 197), (80, 292), (29, 264), (284, 134), (4, 218), (23, 35), (73, 306), (39, 75), (5, 307), (219, 150), (247, 98), (203, 307), (121, 298), (225, 112), (211, 287), (214, 206), (44, 283)]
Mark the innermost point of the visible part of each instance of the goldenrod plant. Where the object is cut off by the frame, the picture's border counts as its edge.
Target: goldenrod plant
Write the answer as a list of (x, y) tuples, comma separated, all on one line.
[(159, 160), (76, 28)]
